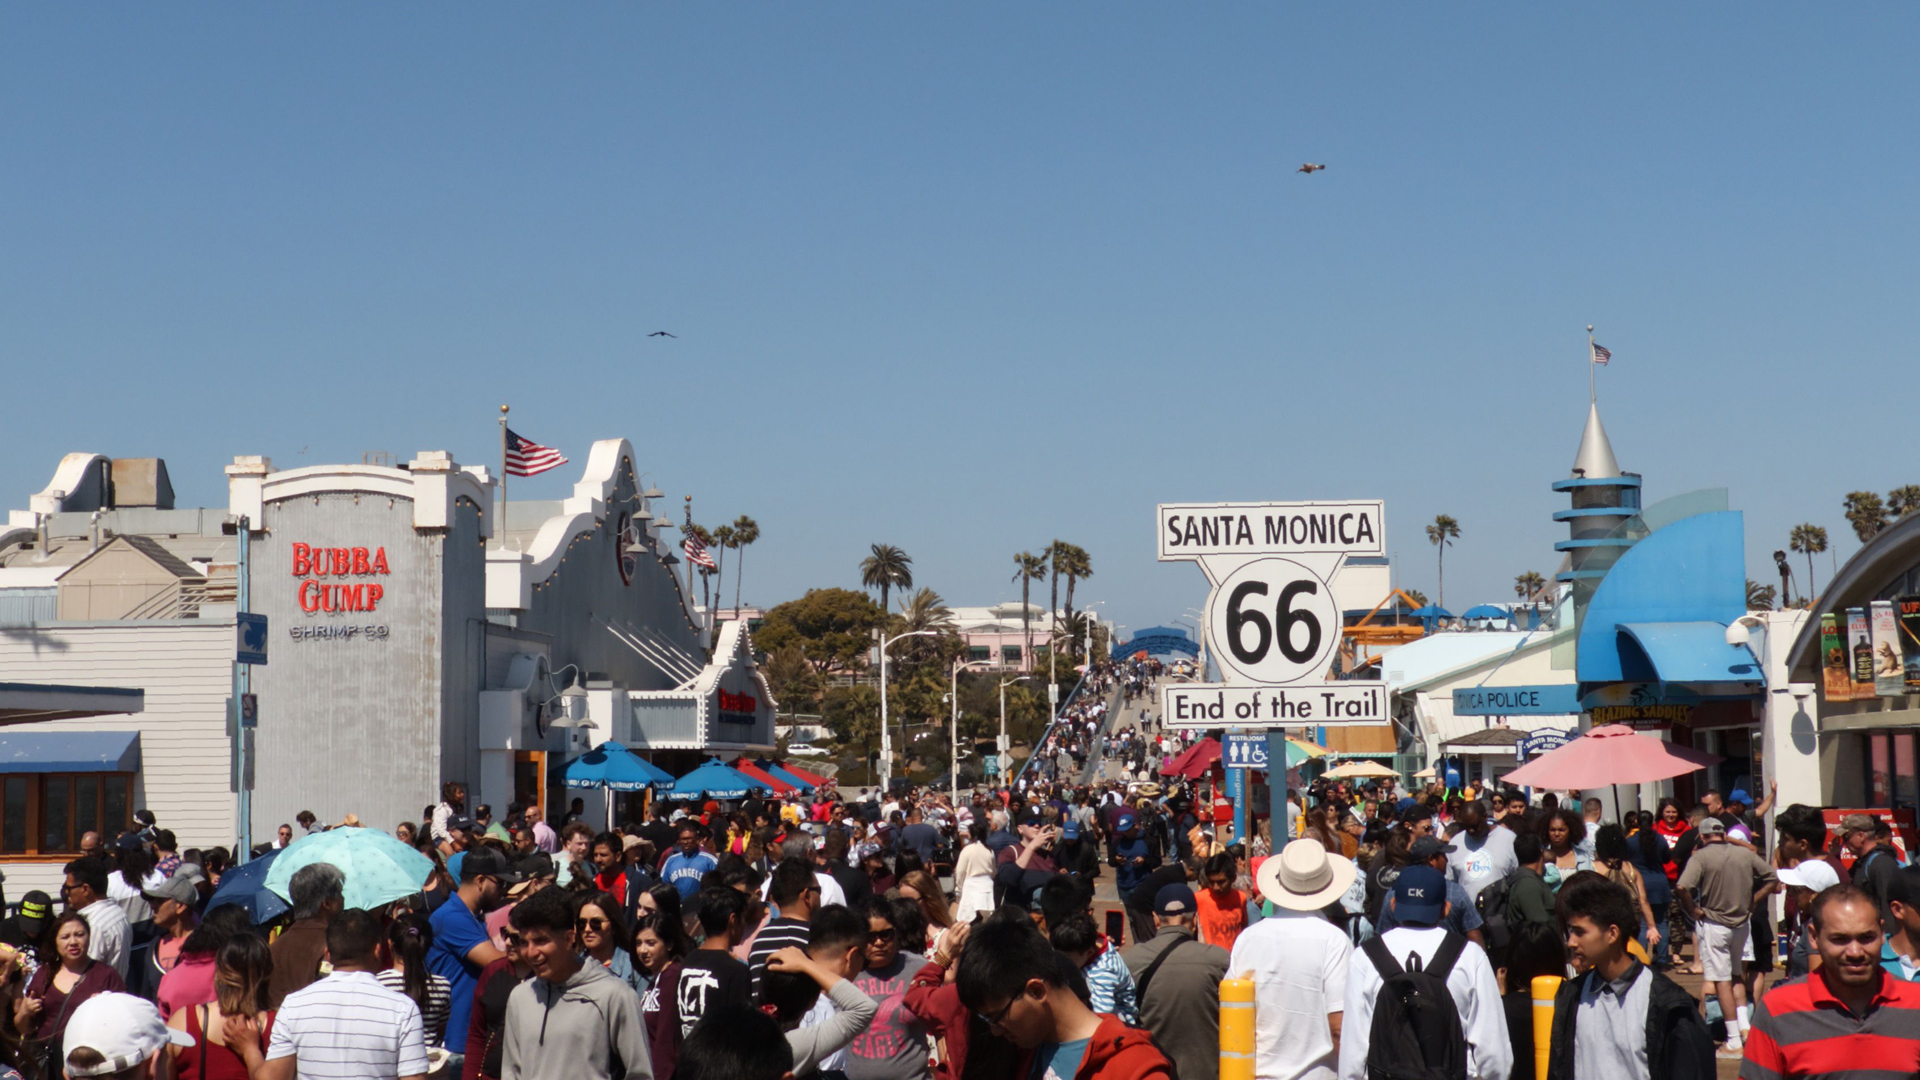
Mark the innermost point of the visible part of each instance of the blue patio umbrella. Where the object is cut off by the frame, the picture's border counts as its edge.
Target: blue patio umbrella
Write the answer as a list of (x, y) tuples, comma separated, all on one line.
[(616, 768), (778, 773), (246, 886), (714, 779), (1485, 611)]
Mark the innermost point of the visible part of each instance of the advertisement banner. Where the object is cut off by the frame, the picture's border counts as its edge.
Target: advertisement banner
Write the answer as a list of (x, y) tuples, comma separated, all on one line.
[(1889, 670), (1908, 608), (1833, 659), (1860, 651), (1900, 819)]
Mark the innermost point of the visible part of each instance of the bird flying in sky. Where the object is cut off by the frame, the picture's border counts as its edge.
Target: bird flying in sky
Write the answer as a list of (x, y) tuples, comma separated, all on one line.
[(662, 333), (1310, 168)]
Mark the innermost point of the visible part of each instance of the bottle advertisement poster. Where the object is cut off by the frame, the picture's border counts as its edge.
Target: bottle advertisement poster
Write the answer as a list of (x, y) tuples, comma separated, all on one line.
[(1908, 608), (1834, 661), (1860, 651), (1889, 668)]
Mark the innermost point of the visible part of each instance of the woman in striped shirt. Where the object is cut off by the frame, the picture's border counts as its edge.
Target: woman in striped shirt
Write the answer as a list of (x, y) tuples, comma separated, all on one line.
[(409, 937)]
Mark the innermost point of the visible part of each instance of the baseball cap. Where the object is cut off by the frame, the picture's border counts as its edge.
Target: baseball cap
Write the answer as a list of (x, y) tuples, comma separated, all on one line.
[(123, 1029), (537, 865), (1125, 822), (1419, 896), (1071, 831), (487, 862), (1405, 805), (1857, 823), (461, 822), (1813, 874), (1174, 899), (1427, 847), (1713, 826), (35, 909), (178, 888), (1739, 795)]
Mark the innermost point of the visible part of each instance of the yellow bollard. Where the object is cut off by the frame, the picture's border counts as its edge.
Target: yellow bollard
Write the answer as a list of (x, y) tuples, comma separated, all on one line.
[(1236, 1028), (1545, 987)]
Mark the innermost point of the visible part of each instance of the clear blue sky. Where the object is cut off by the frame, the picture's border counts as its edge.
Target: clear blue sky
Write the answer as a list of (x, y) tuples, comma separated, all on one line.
[(966, 278)]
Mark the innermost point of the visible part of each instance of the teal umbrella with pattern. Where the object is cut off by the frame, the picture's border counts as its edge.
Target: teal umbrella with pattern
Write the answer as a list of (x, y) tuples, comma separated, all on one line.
[(379, 868)]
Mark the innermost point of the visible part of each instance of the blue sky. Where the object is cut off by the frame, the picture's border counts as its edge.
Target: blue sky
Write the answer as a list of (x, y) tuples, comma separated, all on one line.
[(966, 278)]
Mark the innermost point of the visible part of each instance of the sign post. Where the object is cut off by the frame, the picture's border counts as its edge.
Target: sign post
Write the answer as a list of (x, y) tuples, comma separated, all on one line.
[(250, 648), (1272, 625)]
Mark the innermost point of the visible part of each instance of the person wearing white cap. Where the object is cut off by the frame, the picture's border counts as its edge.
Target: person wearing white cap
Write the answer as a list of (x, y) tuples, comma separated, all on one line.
[(1298, 962), (1803, 881), (118, 1036)]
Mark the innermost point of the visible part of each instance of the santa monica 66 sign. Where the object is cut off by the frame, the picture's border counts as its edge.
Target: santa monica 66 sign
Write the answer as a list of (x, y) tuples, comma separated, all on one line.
[(1272, 624)]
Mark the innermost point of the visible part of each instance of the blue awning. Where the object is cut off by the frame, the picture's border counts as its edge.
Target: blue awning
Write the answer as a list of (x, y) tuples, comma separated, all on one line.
[(69, 751), (1693, 652)]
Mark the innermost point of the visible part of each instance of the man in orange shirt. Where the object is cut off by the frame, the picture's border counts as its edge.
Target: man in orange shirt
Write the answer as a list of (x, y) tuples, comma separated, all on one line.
[(1221, 909)]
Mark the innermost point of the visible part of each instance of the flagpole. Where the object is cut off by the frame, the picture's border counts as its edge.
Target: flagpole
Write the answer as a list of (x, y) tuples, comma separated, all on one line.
[(503, 478), (686, 532), (1591, 398)]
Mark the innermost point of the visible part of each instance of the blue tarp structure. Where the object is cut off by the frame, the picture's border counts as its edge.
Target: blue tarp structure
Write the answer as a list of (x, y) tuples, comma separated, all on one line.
[(714, 779), (612, 766), (69, 751)]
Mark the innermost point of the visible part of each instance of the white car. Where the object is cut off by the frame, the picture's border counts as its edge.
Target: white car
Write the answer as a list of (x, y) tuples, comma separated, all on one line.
[(807, 750)]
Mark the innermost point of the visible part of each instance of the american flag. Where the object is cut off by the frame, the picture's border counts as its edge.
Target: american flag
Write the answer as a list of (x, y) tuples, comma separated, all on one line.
[(1600, 353), (696, 550), (528, 458)]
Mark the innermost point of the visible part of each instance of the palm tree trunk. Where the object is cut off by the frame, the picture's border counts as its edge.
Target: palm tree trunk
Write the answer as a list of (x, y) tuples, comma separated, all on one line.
[(1069, 612), (1811, 591), (1026, 625), (738, 563), (883, 604), (1442, 602), (719, 578)]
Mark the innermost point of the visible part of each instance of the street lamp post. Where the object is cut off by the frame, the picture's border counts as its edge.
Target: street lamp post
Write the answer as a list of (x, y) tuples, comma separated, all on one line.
[(953, 734), (886, 735), (1002, 748), (1087, 657)]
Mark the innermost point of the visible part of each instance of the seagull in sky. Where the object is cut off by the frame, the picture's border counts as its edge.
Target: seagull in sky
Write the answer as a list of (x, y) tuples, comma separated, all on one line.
[(1310, 168), (663, 333)]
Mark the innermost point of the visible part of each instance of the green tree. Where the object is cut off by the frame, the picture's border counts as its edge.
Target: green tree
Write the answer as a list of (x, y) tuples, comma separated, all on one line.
[(1529, 584), (1028, 568), (1442, 532), (1903, 500), (888, 567), (1866, 513), (745, 532), (1055, 552), (833, 628), (1809, 540), (1760, 597), (1077, 565), (792, 679), (926, 612), (852, 713), (1419, 598)]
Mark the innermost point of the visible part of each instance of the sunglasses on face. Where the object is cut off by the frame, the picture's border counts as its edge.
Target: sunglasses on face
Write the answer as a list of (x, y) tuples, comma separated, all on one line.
[(875, 937), (595, 925)]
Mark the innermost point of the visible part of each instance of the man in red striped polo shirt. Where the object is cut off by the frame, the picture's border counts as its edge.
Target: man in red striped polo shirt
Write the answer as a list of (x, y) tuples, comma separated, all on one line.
[(1848, 1018)]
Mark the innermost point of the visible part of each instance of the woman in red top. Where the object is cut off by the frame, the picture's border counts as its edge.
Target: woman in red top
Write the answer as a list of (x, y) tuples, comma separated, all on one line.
[(57, 989), (1672, 824), (241, 970)]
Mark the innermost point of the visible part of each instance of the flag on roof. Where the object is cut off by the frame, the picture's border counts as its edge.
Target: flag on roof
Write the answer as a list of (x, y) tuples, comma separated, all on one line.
[(528, 458), (1600, 353), (696, 550)]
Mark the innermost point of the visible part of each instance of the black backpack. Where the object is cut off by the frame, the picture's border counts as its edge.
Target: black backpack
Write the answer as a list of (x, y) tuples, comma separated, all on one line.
[(1491, 903), (1417, 1034)]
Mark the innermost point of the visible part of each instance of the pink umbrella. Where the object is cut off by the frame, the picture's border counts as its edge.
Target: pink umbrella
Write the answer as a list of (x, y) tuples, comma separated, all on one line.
[(1614, 754)]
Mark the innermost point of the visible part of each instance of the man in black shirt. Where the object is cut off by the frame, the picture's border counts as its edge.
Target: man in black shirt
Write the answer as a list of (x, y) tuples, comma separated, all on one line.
[(710, 976), (831, 859), (1139, 902)]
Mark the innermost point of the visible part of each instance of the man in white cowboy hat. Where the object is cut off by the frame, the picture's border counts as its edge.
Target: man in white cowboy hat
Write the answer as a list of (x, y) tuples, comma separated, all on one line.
[(1299, 963)]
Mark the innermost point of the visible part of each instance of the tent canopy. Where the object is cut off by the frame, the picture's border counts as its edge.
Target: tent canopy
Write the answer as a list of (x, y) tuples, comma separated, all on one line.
[(614, 767)]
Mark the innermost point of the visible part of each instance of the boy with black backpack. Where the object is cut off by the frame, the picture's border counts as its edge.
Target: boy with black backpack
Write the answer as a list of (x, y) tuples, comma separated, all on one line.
[(1422, 1001)]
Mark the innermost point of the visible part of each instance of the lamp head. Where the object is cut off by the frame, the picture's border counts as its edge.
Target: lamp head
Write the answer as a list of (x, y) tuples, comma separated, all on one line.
[(1737, 633)]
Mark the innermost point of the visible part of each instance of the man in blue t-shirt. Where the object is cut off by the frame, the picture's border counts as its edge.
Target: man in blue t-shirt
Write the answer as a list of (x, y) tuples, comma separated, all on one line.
[(461, 948), (1132, 856), (685, 867)]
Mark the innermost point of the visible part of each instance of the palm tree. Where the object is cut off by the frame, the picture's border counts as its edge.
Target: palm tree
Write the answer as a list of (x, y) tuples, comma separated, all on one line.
[(924, 610), (1866, 513), (1419, 598), (1809, 540), (1077, 565), (1442, 532), (1903, 500), (1529, 584), (886, 568), (1055, 551), (723, 538), (745, 531), (1759, 597), (1028, 568)]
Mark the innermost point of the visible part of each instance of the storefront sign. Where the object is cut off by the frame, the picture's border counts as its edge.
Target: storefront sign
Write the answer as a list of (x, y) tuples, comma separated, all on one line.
[(1195, 530), (1535, 743), (314, 563), (1333, 704), (737, 708), (1556, 699)]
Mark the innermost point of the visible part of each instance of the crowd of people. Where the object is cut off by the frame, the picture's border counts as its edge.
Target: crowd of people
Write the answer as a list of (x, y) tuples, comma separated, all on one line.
[(909, 936)]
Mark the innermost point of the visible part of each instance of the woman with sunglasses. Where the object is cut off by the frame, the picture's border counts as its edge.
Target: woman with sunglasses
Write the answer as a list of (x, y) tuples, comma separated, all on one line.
[(603, 936)]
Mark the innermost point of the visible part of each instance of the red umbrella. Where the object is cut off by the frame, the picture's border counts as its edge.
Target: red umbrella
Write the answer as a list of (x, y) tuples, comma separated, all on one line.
[(1193, 762), (774, 784), (810, 777), (1614, 754)]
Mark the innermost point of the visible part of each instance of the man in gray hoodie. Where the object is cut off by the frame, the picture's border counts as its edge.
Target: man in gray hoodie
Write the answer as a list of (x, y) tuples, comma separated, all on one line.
[(574, 1020)]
